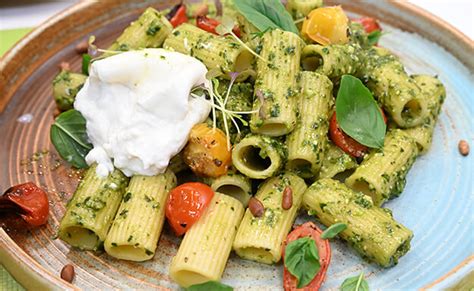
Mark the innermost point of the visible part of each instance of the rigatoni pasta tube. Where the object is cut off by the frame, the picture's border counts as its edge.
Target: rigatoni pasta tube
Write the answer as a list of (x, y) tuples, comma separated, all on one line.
[(206, 246), (149, 31), (301, 8), (260, 238), (382, 174), (435, 93), (275, 87), (399, 94), (258, 156), (335, 161), (308, 141), (92, 208), (216, 52), (371, 231), (234, 185), (139, 220), (332, 60)]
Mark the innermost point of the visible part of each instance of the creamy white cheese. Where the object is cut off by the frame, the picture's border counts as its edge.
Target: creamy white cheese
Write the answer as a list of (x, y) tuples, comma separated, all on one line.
[(139, 111)]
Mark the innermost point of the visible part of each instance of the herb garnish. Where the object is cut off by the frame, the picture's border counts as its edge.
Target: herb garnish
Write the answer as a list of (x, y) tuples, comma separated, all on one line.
[(265, 14), (69, 137), (333, 230), (302, 260), (356, 283), (86, 60), (358, 114), (374, 37), (210, 285)]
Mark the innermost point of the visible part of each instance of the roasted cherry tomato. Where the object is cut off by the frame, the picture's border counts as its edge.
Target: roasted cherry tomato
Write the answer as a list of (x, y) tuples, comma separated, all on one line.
[(370, 24), (27, 200), (326, 25), (344, 141), (308, 229), (185, 205), (207, 153), (177, 15), (210, 24)]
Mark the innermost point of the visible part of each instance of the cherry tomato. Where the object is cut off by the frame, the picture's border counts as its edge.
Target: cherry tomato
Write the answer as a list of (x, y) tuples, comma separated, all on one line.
[(185, 205), (177, 15), (29, 201), (345, 142), (210, 24), (370, 24), (326, 25), (308, 229), (207, 153)]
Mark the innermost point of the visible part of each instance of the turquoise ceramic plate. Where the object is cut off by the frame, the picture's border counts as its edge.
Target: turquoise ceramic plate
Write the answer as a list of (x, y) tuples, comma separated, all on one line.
[(437, 203)]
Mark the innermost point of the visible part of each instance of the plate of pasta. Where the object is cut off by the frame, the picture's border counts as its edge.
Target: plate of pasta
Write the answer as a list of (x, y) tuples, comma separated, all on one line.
[(238, 144)]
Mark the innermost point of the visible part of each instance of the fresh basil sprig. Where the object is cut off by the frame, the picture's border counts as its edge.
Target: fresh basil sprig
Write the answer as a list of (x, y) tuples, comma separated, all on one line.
[(265, 14), (358, 114), (374, 37), (356, 283), (69, 137), (333, 230), (210, 286), (86, 60), (302, 260)]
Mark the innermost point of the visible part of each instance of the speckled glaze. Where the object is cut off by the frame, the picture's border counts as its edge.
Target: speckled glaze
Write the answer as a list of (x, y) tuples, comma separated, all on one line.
[(437, 203)]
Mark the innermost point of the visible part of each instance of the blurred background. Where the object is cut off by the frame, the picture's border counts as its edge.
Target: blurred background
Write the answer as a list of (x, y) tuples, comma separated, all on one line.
[(17, 17)]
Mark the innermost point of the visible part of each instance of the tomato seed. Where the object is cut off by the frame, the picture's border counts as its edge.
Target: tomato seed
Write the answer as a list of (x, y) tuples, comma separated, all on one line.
[(67, 273), (287, 199), (463, 147), (256, 207)]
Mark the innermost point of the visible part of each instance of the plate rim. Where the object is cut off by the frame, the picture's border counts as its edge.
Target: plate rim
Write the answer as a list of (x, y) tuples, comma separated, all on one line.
[(22, 266)]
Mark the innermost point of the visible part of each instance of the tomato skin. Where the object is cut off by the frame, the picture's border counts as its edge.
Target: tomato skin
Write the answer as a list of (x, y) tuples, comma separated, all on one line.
[(185, 205), (326, 25), (308, 229), (28, 200), (210, 25), (370, 24), (177, 15), (345, 142)]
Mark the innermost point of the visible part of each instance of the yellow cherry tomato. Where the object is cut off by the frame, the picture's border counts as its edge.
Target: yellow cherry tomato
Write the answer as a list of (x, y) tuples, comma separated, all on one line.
[(326, 25), (207, 153)]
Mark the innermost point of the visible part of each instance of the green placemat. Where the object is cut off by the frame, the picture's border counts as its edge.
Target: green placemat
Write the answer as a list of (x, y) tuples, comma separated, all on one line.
[(9, 37), (7, 282)]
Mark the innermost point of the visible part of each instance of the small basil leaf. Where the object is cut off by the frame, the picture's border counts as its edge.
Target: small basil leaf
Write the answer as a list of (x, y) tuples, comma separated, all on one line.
[(333, 230), (374, 37), (265, 14), (69, 137), (210, 286), (358, 114), (86, 60), (356, 283), (302, 260)]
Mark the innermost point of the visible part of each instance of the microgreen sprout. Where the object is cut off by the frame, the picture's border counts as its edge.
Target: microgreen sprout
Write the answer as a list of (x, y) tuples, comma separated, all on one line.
[(219, 102), (226, 27), (93, 50)]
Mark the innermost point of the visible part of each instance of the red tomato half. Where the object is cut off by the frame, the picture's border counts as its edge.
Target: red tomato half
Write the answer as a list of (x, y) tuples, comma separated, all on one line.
[(177, 15), (28, 200), (345, 142), (308, 229), (185, 205), (370, 24), (210, 24)]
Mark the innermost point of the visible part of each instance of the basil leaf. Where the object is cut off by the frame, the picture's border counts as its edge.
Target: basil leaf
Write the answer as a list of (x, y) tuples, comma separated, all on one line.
[(86, 60), (333, 230), (69, 137), (210, 286), (356, 283), (302, 260), (265, 14), (374, 37), (358, 114)]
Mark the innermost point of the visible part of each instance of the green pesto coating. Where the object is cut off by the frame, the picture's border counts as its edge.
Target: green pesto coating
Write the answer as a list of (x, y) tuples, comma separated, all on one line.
[(66, 85), (371, 230)]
